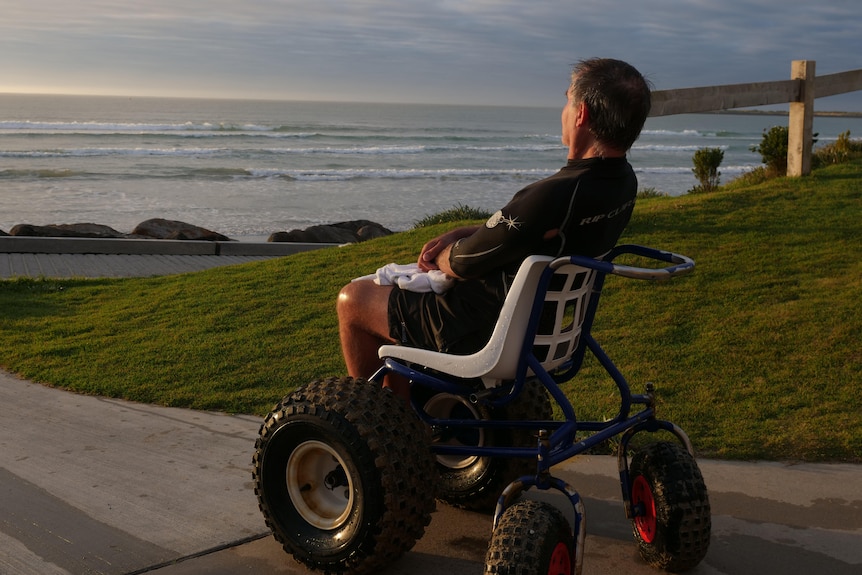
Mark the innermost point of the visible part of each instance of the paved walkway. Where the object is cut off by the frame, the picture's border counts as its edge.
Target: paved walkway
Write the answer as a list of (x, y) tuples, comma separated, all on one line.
[(90, 485)]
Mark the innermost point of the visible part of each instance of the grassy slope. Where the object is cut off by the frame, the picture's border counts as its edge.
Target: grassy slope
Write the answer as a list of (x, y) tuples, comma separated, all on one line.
[(756, 354)]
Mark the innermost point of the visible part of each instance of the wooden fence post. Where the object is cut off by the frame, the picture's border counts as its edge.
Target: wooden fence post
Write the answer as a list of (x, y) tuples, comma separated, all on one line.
[(801, 121)]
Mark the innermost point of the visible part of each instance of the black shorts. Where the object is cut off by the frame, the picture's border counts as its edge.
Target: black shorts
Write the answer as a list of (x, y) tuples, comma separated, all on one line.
[(459, 321)]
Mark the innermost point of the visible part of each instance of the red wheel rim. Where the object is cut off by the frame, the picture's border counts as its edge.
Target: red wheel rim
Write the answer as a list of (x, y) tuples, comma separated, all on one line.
[(645, 522), (561, 560)]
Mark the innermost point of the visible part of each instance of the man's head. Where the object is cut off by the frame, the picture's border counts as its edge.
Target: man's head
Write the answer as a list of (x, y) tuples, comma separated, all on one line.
[(617, 98)]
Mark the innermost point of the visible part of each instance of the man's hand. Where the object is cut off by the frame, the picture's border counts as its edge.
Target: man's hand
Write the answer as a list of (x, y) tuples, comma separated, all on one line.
[(430, 256)]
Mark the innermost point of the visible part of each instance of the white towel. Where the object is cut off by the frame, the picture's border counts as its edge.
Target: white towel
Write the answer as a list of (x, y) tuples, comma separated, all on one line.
[(410, 277)]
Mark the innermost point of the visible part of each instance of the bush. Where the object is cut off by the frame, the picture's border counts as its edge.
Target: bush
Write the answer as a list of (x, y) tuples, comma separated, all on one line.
[(773, 149), (841, 150), (456, 214), (706, 163)]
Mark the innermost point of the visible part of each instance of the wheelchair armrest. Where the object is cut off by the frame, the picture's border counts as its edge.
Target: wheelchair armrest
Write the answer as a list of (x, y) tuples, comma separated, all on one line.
[(682, 265)]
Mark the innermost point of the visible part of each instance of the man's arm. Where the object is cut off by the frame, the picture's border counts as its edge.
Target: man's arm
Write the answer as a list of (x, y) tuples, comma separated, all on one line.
[(442, 262), (435, 253)]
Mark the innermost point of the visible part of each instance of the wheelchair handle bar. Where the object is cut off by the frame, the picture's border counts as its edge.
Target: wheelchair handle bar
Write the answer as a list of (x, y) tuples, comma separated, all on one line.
[(682, 265)]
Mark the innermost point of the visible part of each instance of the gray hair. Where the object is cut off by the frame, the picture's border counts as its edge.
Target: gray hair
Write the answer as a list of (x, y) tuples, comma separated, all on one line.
[(617, 97)]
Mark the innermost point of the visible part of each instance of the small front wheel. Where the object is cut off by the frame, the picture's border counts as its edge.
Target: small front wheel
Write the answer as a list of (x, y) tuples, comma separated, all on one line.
[(531, 538), (671, 522)]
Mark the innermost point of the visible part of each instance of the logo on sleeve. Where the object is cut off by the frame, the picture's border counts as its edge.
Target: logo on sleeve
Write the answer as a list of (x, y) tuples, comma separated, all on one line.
[(498, 218)]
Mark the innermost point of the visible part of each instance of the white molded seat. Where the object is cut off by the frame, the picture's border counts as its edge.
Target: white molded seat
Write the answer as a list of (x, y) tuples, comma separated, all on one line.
[(557, 336)]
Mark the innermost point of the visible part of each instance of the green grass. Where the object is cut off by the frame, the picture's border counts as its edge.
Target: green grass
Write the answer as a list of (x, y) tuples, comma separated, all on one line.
[(756, 354)]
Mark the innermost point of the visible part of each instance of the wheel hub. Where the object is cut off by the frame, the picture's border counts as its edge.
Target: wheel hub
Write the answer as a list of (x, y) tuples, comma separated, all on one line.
[(319, 486), (448, 406), (644, 508), (561, 560)]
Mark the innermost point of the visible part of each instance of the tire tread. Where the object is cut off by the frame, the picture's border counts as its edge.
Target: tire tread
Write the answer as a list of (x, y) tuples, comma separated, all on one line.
[(397, 445), (682, 507)]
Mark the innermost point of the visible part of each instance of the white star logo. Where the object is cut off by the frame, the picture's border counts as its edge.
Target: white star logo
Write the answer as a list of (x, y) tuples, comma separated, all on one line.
[(511, 223), (498, 218)]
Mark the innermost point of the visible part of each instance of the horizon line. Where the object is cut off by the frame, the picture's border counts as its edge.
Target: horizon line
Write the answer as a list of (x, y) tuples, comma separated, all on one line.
[(741, 111)]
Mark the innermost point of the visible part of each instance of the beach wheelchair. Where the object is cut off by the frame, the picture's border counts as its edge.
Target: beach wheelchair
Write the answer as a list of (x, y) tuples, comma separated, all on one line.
[(346, 474)]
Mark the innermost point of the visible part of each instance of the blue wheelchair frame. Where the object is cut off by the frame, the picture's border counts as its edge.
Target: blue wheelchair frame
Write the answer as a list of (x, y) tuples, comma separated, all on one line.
[(557, 440)]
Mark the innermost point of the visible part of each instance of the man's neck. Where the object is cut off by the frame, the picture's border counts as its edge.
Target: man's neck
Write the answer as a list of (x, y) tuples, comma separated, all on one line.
[(592, 148), (596, 152)]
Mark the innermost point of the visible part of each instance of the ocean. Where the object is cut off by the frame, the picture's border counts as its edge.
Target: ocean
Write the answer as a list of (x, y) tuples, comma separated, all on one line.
[(247, 169)]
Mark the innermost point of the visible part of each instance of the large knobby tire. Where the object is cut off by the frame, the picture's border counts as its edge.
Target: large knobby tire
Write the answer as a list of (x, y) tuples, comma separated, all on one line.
[(341, 471), (672, 522), (473, 482), (531, 538)]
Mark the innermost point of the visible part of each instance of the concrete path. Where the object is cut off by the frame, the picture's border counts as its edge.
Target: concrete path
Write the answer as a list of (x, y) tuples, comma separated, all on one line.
[(100, 486)]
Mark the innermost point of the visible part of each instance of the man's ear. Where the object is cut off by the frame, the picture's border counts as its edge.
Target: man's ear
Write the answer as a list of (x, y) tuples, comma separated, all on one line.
[(583, 114)]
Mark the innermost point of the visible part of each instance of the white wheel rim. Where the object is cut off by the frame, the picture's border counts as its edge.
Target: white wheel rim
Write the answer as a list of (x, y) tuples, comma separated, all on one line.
[(315, 475), (440, 406)]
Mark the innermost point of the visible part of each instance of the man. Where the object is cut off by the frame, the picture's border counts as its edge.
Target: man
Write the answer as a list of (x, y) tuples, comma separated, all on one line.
[(582, 209)]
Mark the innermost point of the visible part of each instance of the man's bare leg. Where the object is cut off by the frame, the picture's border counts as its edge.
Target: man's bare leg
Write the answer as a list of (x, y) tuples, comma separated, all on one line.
[(363, 326)]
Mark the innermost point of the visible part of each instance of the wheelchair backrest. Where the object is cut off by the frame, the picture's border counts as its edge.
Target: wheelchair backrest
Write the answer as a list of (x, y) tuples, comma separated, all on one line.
[(563, 303), (564, 309)]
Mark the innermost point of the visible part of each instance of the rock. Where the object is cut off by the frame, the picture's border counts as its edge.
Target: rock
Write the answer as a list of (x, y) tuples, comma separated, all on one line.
[(338, 233), (315, 234), (158, 228), (372, 231), (161, 229), (66, 231)]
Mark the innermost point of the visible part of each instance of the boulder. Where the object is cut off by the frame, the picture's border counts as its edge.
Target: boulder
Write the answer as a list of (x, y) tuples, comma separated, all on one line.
[(66, 231), (338, 233), (315, 234), (161, 229), (372, 231)]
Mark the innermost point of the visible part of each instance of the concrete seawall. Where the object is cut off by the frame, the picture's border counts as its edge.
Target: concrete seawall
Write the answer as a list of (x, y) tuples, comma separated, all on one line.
[(96, 257)]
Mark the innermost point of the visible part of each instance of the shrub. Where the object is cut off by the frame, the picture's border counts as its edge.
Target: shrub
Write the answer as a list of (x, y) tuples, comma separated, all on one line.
[(841, 150), (456, 214), (773, 149), (706, 163)]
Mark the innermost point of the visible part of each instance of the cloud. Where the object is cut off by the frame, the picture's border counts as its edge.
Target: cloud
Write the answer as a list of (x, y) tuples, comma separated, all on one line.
[(473, 51)]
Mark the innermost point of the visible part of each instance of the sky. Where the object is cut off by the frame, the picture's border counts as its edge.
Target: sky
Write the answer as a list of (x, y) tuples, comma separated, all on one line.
[(496, 52)]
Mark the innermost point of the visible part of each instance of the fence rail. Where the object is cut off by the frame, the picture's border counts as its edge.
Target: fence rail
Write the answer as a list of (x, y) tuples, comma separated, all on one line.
[(727, 97), (840, 83), (800, 92)]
